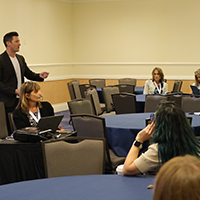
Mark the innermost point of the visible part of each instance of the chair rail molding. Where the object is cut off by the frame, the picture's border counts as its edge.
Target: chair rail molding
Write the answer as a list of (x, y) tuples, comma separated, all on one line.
[(116, 76), (113, 63)]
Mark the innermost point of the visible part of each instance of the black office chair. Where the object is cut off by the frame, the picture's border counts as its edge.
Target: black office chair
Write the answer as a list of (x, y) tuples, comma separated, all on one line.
[(176, 98), (125, 88), (3, 125), (129, 81), (80, 106), (99, 83), (152, 102), (190, 104), (74, 90), (177, 86), (85, 87), (124, 103), (107, 92), (12, 123), (91, 94)]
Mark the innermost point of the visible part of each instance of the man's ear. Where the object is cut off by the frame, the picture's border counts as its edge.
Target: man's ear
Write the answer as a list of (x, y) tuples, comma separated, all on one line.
[(7, 43)]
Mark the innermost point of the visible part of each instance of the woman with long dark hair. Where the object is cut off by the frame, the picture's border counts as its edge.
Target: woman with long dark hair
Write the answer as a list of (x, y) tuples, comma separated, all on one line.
[(172, 136)]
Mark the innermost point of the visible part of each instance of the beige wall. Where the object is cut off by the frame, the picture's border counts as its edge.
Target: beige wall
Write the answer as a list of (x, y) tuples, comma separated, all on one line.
[(109, 40), (137, 31), (129, 38), (45, 33)]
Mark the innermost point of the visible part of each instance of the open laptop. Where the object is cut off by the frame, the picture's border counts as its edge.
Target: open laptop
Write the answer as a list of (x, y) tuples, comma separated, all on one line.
[(195, 90), (50, 122)]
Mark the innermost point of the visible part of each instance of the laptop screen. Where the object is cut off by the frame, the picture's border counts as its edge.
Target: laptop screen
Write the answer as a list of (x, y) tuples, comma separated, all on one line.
[(195, 90), (50, 122)]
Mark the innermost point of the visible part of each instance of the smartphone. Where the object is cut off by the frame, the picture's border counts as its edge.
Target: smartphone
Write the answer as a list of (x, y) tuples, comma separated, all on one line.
[(149, 120), (152, 117)]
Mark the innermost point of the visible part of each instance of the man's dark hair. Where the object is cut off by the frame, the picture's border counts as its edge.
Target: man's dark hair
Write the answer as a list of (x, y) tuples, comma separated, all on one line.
[(8, 37)]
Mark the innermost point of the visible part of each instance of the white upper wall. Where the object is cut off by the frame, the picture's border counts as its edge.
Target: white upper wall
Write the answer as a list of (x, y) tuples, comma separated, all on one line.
[(110, 39), (136, 31), (44, 27)]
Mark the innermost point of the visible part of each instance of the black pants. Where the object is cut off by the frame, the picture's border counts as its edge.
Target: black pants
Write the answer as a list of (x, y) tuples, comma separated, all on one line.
[(8, 110)]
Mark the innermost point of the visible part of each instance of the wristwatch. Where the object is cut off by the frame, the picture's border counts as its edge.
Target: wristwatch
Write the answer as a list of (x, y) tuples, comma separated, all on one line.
[(137, 144)]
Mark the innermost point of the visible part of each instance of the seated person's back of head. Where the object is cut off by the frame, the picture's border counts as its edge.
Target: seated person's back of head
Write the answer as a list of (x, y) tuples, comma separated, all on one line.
[(178, 179)]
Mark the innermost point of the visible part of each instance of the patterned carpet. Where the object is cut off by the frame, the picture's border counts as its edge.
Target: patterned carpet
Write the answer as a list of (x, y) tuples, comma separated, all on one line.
[(65, 121)]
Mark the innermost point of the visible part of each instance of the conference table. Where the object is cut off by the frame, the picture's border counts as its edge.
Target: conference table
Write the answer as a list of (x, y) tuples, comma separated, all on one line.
[(122, 130), (88, 187), (140, 103), (138, 90)]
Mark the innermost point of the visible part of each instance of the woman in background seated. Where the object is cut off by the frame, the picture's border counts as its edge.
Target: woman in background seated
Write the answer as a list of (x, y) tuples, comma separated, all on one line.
[(156, 85), (197, 79), (172, 136), (178, 179), (29, 109)]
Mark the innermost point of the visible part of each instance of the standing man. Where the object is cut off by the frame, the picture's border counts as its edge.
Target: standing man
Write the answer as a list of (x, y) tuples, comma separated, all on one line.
[(13, 69)]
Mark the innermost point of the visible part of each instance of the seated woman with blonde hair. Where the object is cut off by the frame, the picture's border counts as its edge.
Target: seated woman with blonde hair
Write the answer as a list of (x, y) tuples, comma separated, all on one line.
[(30, 108), (178, 179), (197, 78), (156, 85)]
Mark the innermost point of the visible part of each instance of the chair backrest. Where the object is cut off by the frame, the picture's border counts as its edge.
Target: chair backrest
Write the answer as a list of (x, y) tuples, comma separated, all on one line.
[(71, 90), (80, 106), (152, 102), (74, 90), (12, 123), (94, 126), (92, 95), (177, 99), (85, 87), (99, 83), (107, 92), (124, 103), (85, 157), (177, 86), (89, 125), (3, 125), (126, 88), (129, 81), (190, 104)]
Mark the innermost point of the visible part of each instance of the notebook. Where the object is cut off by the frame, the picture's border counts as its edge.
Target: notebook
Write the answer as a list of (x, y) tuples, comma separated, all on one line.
[(195, 90), (50, 122)]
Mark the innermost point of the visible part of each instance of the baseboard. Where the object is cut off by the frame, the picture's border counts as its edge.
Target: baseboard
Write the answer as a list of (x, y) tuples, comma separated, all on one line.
[(60, 107)]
